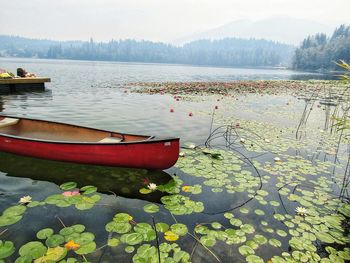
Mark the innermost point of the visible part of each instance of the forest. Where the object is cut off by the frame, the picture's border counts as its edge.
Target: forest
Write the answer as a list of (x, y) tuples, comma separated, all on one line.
[(319, 52), (316, 52), (224, 52)]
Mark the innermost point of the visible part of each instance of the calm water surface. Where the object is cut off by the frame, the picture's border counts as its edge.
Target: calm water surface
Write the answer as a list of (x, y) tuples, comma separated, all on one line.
[(95, 94)]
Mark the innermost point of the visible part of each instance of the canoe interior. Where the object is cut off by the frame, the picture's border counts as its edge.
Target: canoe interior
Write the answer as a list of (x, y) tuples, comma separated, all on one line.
[(42, 130)]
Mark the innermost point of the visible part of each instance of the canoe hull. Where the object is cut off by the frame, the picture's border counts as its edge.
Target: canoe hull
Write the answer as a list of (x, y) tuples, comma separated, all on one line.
[(158, 154)]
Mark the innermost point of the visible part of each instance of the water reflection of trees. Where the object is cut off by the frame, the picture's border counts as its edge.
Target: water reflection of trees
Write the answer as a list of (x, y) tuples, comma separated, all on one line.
[(111, 180)]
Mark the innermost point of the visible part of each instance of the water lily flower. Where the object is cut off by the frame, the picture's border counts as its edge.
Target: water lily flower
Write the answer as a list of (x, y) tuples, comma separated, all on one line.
[(152, 186), (71, 245), (192, 146), (182, 154), (146, 181), (267, 140), (171, 236), (301, 210), (277, 159), (70, 193), (186, 188), (242, 140), (25, 199)]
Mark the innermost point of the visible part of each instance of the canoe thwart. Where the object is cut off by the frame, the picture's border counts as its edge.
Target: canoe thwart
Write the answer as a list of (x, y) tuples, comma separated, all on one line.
[(8, 121), (110, 140)]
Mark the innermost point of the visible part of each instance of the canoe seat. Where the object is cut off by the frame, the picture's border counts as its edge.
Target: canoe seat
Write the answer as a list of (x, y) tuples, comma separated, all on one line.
[(110, 140), (7, 122)]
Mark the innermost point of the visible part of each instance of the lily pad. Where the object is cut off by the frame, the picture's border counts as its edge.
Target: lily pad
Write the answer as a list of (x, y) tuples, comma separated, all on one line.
[(54, 241), (52, 255), (120, 228), (6, 249), (274, 242), (179, 229), (89, 189), (33, 249), (132, 239), (86, 249), (246, 250), (208, 241), (113, 242), (151, 208), (45, 233), (129, 249), (162, 227), (68, 186)]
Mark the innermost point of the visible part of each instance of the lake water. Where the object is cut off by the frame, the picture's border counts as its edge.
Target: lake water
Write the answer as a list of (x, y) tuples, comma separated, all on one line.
[(92, 93), (240, 199)]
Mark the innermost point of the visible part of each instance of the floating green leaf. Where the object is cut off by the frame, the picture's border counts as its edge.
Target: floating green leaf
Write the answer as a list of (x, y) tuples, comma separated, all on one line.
[(68, 186), (179, 229), (54, 240), (6, 249), (113, 242), (33, 249), (132, 239), (246, 250), (151, 208), (45, 233)]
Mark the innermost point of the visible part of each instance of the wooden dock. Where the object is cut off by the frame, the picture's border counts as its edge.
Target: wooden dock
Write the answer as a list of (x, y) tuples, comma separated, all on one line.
[(22, 84)]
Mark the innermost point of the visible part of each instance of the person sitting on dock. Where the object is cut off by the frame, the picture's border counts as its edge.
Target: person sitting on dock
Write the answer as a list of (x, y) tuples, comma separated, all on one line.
[(21, 72)]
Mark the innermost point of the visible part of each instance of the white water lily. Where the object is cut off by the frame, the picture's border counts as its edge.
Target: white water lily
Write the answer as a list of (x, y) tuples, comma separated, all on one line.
[(267, 140), (25, 199), (152, 186), (192, 146), (277, 159), (242, 140), (301, 210), (182, 154)]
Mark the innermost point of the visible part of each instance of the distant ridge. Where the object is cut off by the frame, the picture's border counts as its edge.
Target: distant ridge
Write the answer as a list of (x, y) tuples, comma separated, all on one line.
[(228, 52), (281, 29)]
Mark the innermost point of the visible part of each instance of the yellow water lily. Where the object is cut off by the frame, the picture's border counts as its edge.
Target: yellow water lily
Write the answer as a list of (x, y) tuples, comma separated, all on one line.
[(186, 188), (71, 245), (170, 236)]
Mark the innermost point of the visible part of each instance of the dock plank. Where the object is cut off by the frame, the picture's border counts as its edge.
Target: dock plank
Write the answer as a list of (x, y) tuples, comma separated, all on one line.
[(24, 81)]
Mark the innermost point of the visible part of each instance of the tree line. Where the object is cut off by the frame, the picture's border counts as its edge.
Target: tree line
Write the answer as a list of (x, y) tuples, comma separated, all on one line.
[(224, 52), (319, 52)]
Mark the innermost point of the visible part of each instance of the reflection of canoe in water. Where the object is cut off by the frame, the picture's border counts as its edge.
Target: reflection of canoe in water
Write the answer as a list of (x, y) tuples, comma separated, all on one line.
[(71, 143), (121, 181)]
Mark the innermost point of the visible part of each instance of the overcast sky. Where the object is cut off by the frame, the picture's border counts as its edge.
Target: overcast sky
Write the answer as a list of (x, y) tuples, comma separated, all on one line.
[(157, 20)]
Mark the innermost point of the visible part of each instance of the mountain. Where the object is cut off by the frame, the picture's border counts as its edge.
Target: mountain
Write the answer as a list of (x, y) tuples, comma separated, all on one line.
[(282, 29)]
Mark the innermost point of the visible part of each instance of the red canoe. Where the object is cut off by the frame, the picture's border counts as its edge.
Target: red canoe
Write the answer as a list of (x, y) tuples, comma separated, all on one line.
[(71, 143)]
